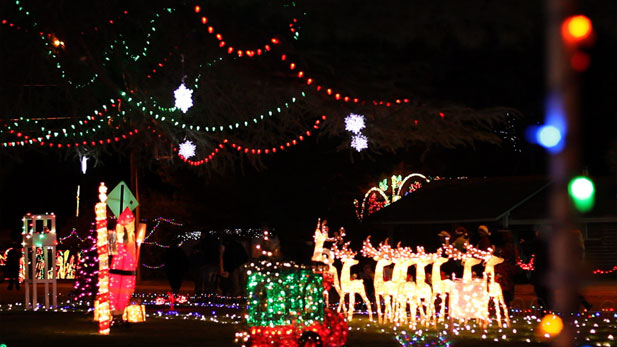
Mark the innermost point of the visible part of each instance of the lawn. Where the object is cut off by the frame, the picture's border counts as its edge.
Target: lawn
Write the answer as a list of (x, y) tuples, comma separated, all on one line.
[(19, 328)]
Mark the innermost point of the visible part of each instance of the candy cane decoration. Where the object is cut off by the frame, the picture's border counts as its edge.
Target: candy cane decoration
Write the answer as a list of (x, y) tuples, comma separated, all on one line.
[(103, 309)]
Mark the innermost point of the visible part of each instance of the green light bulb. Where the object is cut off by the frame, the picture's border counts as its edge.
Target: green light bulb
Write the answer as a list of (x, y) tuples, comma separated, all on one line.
[(582, 191)]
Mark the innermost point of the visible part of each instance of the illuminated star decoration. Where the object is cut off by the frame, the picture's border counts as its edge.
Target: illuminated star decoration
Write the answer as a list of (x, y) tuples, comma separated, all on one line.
[(359, 142), (184, 99), (187, 149), (354, 123)]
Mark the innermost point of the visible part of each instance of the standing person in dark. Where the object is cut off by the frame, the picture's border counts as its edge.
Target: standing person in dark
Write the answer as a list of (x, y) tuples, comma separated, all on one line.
[(234, 257), (176, 263), (506, 271), (484, 242), (539, 276), (579, 252), (12, 266), (211, 249), (461, 239)]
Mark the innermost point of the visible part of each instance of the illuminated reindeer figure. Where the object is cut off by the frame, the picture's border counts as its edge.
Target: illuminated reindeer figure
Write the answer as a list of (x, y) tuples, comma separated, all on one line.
[(348, 285), (424, 292), (384, 290), (469, 297), (405, 290), (494, 289), (441, 288), (320, 237)]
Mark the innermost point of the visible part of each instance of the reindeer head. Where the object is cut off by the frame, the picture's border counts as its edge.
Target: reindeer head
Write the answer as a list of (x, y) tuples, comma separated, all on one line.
[(328, 258), (384, 253), (494, 260), (438, 259), (477, 253), (404, 255), (344, 254), (321, 231), (471, 261)]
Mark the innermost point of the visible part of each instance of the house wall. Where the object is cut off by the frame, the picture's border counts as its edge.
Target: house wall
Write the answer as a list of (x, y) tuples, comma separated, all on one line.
[(601, 248)]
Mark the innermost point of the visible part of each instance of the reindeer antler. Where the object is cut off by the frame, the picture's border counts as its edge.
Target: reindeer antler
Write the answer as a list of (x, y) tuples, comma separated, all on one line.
[(404, 252), (386, 250), (340, 236), (367, 248), (345, 252), (477, 253)]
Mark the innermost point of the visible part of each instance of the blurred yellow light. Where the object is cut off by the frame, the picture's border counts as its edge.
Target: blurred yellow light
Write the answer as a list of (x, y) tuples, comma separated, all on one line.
[(576, 28), (551, 324)]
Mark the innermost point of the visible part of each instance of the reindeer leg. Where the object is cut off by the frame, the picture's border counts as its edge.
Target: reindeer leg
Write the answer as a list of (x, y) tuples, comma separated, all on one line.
[(420, 304), (434, 310), (412, 310), (497, 310), (388, 308), (378, 308), (368, 305), (506, 315), (352, 300), (442, 310)]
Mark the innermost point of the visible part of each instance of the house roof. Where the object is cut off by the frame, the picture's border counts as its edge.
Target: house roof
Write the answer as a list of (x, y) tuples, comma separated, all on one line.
[(523, 200), (536, 211)]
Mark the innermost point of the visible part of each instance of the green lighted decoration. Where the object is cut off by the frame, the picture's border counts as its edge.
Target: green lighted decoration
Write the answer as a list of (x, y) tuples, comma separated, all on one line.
[(284, 297)]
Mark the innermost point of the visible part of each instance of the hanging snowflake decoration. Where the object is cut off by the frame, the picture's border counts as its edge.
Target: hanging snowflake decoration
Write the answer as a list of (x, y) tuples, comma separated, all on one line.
[(187, 149), (354, 123), (184, 98), (359, 142)]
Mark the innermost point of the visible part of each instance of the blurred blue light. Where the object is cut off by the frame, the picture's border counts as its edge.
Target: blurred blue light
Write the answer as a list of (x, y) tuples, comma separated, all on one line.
[(548, 136)]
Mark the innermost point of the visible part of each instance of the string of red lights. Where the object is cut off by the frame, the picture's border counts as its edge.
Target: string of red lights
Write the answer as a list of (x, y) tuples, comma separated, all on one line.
[(229, 48), (335, 93), (252, 150)]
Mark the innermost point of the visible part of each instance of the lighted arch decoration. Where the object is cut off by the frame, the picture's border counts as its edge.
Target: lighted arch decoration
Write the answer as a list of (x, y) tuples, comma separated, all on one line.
[(402, 184), (371, 202)]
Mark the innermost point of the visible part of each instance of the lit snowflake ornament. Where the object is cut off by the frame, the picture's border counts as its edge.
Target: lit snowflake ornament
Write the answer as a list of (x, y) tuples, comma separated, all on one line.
[(184, 98), (187, 149), (354, 123), (359, 142)]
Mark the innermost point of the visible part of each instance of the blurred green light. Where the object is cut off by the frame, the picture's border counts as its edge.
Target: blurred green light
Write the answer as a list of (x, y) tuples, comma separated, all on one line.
[(582, 191)]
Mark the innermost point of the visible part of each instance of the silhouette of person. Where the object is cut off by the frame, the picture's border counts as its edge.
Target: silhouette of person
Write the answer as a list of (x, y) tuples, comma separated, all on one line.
[(12, 266), (176, 263)]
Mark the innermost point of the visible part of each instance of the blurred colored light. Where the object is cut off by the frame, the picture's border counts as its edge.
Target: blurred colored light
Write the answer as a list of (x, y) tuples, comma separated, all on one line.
[(551, 324), (580, 61), (582, 191), (548, 136), (576, 29)]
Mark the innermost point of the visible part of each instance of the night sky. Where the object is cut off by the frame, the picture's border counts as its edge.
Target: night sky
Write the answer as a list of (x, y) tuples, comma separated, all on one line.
[(470, 55)]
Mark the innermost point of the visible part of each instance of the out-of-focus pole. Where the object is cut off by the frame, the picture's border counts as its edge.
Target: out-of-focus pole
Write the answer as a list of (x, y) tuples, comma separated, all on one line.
[(562, 105)]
